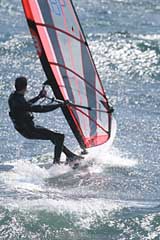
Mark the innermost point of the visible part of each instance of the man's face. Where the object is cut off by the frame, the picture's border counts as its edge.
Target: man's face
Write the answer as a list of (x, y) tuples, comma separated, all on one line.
[(25, 90)]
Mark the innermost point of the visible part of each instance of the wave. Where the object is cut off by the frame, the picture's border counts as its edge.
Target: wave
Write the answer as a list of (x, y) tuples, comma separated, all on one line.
[(16, 45), (126, 58), (82, 219)]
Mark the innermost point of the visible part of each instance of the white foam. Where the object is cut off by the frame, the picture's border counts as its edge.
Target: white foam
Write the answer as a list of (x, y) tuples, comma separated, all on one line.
[(58, 170), (27, 176), (24, 175), (98, 159)]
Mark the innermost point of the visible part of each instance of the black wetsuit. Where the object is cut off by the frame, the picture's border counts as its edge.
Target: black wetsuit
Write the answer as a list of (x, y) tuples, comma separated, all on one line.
[(22, 118)]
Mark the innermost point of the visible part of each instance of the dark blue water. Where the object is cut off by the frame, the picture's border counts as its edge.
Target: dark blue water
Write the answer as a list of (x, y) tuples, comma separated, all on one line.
[(118, 197)]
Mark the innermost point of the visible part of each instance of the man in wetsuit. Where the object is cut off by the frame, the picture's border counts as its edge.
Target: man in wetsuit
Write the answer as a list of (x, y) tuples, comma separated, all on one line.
[(22, 118)]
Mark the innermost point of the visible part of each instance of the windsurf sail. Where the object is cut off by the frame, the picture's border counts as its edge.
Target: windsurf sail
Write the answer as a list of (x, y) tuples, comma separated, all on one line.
[(68, 64)]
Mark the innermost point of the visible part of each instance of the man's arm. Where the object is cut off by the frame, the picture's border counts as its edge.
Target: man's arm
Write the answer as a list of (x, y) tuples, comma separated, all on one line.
[(26, 106), (42, 94), (23, 105), (45, 108), (34, 100)]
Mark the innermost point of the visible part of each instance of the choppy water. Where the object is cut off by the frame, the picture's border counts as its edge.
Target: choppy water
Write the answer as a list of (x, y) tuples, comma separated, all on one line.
[(118, 197)]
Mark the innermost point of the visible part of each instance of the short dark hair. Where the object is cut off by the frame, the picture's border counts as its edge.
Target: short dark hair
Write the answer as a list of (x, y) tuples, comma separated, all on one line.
[(20, 83)]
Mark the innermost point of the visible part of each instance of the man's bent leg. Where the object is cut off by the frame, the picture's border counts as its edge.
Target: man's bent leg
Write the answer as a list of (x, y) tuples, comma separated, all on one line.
[(37, 132)]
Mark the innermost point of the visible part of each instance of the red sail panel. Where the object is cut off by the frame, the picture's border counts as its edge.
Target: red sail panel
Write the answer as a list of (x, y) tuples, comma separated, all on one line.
[(69, 66)]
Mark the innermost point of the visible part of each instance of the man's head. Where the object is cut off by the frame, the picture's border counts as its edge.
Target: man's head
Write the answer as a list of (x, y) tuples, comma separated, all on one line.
[(21, 84)]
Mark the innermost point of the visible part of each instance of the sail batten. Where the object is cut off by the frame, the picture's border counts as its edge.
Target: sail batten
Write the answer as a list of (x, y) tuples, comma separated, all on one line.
[(83, 79), (60, 30), (71, 72)]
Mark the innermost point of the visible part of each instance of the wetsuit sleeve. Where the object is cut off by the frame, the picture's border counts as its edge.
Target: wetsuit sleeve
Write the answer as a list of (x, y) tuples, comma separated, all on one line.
[(34, 100), (43, 109)]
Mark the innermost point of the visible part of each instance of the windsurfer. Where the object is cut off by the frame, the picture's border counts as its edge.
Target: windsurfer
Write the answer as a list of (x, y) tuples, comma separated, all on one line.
[(22, 118)]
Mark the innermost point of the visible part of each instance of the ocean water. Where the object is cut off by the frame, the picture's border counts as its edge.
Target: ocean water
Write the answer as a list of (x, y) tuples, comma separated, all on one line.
[(118, 196)]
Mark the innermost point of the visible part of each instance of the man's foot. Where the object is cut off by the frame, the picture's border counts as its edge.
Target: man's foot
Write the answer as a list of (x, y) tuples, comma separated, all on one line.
[(84, 152), (56, 161), (73, 158)]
